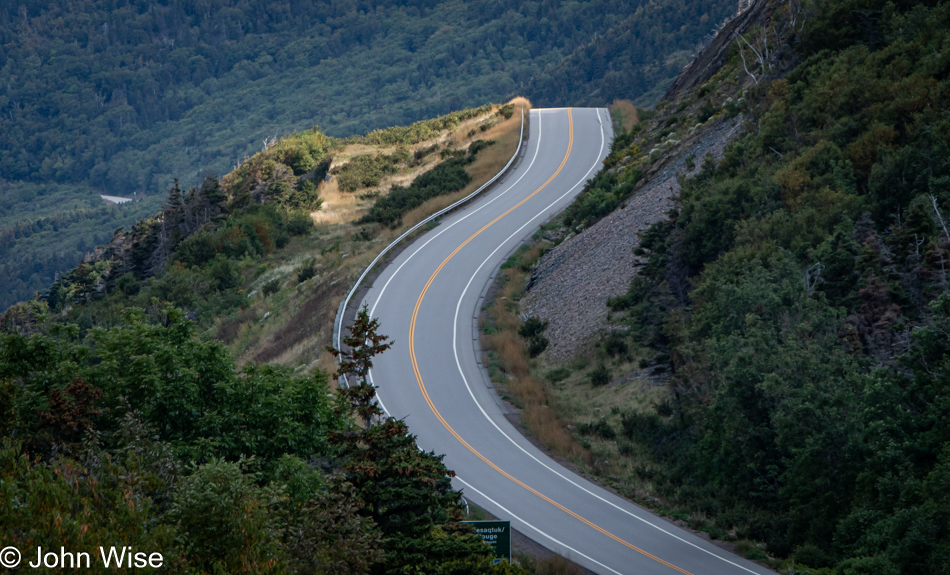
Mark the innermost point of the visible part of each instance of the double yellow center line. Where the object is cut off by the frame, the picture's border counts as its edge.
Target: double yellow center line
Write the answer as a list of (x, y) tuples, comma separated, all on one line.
[(425, 393)]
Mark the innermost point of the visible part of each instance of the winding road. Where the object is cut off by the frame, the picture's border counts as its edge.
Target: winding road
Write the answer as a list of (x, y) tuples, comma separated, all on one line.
[(427, 300)]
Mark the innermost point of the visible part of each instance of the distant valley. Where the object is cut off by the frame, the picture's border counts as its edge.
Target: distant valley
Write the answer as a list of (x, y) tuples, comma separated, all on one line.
[(123, 101)]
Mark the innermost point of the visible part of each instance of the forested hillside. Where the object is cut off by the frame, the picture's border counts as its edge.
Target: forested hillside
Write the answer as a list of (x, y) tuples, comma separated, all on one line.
[(126, 419), (778, 372), (122, 98)]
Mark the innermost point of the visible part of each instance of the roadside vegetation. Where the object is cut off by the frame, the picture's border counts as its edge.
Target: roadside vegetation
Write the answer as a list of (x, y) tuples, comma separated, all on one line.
[(776, 373), (510, 361)]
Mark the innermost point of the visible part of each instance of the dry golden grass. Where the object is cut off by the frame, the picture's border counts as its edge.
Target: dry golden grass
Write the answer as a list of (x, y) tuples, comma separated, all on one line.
[(338, 207), (626, 112), (511, 354), (493, 158), (457, 139), (489, 162), (276, 339), (548, 407), (529, 390), (552, 432)]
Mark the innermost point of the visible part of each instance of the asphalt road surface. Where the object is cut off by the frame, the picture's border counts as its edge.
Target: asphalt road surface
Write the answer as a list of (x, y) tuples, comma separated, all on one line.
[(427, 300)]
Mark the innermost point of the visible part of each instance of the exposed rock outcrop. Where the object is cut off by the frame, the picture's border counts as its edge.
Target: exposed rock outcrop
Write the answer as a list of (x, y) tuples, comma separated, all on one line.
[(713, 56)]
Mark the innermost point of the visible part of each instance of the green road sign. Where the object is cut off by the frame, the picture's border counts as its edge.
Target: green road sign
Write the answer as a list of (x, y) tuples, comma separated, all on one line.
[(497, 534)]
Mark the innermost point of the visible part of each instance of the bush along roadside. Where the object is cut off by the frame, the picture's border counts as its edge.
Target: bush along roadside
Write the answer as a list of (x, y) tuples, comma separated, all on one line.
[(447, 177), (512, 346)]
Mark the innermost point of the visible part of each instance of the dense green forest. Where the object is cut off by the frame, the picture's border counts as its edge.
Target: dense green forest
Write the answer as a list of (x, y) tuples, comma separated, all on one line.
[(141, 435), (124, 97), (799, 297), (48, 229)]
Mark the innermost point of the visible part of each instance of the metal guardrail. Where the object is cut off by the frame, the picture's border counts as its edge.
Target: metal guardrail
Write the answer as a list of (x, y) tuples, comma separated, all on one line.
[(338, 322)]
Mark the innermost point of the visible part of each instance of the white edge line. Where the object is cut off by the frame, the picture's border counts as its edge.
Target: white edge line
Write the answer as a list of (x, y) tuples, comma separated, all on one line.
[(455, 349), (508, 437), (338, 322), (372, 311), (561, 543)]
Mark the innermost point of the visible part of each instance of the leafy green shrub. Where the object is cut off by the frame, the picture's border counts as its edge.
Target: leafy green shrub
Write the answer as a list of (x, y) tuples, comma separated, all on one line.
[(532, 327), (128, 284), (197, 249), (706, 111), (271, 287), (600, 375), (300, 161), (447, 177), (537, 345), (811, 555), (616, 345), (599, 428), (421, 153), (479, 145), (748, 550), (299, 223), (225, 518), (368, 170), (418, 131), (294, 155), (531, 331), (558, 374), (223, 273), (304, 196), (306, 271)]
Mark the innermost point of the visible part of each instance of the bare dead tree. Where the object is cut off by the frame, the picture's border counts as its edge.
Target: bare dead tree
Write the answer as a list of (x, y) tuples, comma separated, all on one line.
[(939, 218), (794, 13), (745, 65), (760, 51), (943, 268), (812, 277)]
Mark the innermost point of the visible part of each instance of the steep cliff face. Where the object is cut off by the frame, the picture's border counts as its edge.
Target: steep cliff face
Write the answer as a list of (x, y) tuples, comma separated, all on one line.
[(699, 115), (713, 57), (571, 285)]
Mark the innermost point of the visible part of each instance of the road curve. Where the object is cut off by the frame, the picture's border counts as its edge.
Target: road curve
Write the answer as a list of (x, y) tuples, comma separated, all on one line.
[(427, 300)]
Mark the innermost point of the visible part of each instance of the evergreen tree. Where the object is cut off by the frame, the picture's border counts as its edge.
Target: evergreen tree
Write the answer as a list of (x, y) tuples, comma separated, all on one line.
[(356, 359)]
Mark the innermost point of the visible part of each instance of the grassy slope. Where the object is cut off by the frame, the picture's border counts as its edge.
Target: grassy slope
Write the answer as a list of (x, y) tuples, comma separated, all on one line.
[(301, 315), (268, 301)]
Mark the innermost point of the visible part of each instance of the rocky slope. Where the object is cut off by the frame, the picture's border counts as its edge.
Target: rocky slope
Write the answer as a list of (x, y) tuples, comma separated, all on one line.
[(572, 283)]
